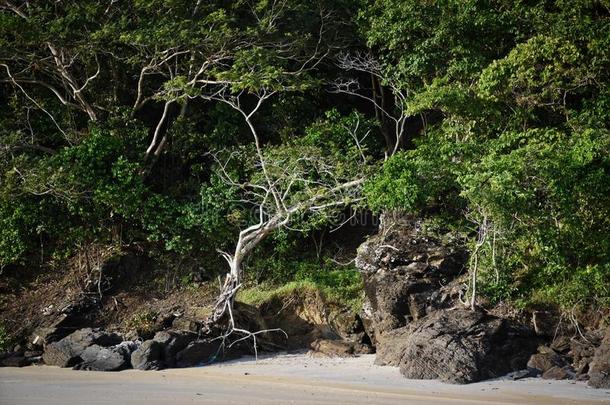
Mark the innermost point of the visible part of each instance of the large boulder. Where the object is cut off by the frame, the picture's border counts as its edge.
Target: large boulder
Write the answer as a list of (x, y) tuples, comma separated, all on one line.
[(173, 342), (402, 269), (114, 358), (149, 356), (67, 351), (599, 373), (463, 346)]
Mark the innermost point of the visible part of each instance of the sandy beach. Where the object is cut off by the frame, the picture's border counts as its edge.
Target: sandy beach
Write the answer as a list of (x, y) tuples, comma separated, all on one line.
[(281, 379)]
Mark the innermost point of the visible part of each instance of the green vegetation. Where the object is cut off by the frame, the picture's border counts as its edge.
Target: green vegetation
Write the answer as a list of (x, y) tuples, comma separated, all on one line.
[(143, 323), (522, 143), (282, 277), (172, 124)]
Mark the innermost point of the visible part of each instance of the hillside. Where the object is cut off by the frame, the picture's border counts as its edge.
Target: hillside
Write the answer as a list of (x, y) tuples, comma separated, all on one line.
[(190, 182)]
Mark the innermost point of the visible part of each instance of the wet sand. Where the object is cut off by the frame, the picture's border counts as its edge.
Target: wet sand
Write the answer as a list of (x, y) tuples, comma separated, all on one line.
[(282, 379)]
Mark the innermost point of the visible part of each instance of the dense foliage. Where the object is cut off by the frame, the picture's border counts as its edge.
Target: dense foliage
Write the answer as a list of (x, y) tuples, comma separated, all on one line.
[(132, 123), (518, 138)]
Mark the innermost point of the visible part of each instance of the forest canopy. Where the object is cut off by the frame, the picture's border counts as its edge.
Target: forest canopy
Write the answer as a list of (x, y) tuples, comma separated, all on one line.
[(179, 125)]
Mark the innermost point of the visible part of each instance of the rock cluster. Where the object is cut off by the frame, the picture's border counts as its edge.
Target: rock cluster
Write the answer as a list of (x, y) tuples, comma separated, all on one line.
[(98, 350), (415, 318), (68, 351)]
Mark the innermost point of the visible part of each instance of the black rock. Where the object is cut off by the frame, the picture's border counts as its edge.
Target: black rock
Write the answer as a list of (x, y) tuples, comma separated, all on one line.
[(148, 356), (402, 269), (45, 335), (173, 342), (463, 346), (67, 352), (114, 358), (198, 353), (14, 359)]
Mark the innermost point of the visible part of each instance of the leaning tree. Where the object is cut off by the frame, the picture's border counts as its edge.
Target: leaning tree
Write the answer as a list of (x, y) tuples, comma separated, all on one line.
[(158, 61), (285, 184)]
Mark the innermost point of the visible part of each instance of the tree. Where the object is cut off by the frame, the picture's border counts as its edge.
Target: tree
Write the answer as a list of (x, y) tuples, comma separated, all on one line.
[(387, 98), (139, 69), (517, 138), (288, 182)]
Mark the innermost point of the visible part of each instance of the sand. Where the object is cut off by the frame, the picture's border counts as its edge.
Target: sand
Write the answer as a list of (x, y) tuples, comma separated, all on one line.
[(281, 379)]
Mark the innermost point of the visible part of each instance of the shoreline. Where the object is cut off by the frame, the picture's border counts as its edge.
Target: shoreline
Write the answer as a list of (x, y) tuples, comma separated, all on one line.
[(284, 378)]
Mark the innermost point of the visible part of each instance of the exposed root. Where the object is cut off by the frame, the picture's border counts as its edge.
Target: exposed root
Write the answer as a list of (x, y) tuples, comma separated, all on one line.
[(224, 307)]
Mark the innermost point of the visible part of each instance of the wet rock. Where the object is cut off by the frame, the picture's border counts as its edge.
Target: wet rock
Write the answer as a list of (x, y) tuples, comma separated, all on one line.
[(114, 358), (67, 351), (148, 356), (599, 373), (463, 346)]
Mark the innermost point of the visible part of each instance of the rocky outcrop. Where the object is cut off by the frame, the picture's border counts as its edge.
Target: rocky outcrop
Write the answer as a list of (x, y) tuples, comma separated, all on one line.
[(67, 351), (402, 269), (412, 310), (300, 318), (415, 318), (463, 346), (599, 372)]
